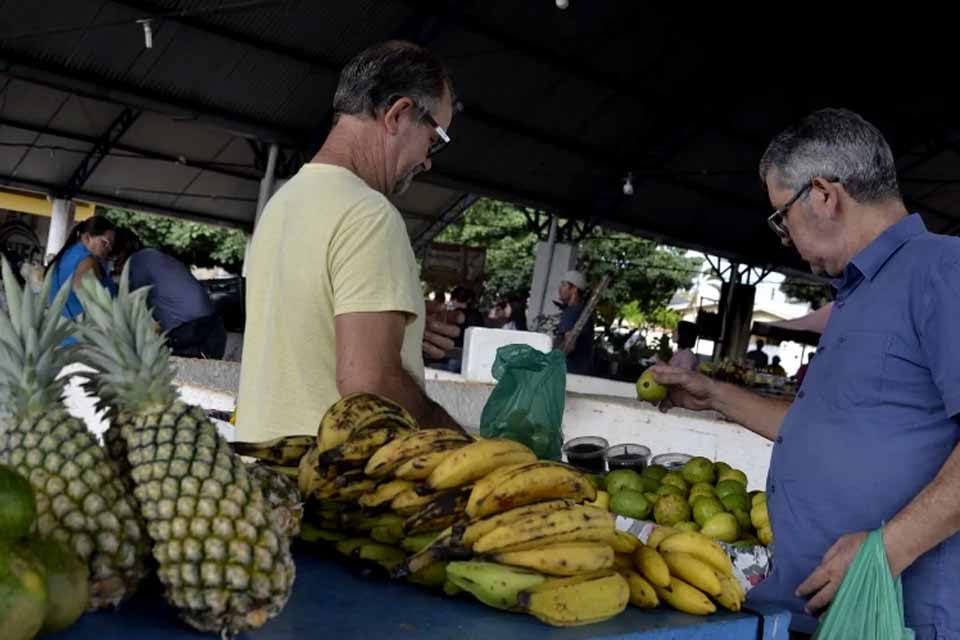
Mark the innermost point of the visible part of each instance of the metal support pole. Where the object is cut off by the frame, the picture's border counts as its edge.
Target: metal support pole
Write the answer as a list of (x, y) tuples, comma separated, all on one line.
[(266, 184), (728, 310)]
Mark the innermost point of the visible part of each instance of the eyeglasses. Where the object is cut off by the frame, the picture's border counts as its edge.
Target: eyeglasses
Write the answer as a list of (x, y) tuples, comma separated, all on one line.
[(777, 218), (443, 139)]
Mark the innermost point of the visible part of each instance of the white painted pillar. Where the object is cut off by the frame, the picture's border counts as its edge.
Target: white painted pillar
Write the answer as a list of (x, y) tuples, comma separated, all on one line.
[(61, 221)]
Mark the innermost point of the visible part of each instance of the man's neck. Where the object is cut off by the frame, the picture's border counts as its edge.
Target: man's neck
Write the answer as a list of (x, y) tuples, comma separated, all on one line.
[(352, 144), (871, 222)]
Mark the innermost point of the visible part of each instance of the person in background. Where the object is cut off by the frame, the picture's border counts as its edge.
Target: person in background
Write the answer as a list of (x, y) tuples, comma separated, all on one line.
[(180, 303), (685, 358), (775, 368), (573, 289), (758, 357), (466, 300), (87, 247)]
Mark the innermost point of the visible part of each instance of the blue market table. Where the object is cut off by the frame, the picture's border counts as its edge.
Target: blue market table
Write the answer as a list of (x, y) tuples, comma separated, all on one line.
[(333, 600)]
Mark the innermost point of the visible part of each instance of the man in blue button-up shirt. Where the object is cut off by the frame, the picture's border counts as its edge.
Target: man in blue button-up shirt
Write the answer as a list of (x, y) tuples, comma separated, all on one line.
[(871, 439)]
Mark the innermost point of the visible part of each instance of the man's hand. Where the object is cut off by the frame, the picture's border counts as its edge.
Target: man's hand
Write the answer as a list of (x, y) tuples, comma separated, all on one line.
[(688, 389), (823, 583), (440, 326)]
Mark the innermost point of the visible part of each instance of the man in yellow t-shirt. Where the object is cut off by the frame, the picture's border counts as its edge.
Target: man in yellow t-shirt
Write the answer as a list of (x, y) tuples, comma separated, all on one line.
[(334, 304)]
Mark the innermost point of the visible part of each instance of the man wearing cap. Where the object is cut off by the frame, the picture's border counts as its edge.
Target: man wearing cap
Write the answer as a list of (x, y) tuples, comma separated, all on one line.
[(573, 286)]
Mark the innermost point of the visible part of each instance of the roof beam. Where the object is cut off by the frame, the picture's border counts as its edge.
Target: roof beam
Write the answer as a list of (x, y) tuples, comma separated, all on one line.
[(120, 125), (91, 85), (146, 153), (449, 215)]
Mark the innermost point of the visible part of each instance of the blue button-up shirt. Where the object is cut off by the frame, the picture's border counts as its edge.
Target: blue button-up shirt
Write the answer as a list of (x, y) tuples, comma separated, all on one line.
[(874, 421)]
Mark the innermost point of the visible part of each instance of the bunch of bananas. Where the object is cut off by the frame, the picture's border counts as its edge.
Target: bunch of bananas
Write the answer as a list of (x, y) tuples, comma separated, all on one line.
[(484, 517), (684, 569)]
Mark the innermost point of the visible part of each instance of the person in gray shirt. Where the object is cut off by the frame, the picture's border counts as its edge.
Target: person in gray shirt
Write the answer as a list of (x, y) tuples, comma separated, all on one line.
[(180, 303)]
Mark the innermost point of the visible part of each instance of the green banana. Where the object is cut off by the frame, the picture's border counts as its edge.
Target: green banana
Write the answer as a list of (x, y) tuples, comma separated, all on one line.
[(495, 585)]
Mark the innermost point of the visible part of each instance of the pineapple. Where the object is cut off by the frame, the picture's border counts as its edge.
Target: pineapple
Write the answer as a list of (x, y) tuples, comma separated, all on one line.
[(283, 496), (224, 562), (81, 500)]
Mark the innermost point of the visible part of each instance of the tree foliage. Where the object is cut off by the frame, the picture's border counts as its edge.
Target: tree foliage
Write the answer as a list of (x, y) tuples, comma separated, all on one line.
[(192, 243)]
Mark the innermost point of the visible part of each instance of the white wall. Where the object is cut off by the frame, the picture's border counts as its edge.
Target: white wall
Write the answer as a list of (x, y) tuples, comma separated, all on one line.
[(616, 415)]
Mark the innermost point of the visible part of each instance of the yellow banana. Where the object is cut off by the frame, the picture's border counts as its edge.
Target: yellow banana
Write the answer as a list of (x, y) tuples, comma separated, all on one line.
[(308, 471), (683, 597), (624, 542), (564, 559), (660, 534), (383, 493), (699, 546), (556, 583), (642, 593), (693, 571), (412, 500), (623, 562), (445, 509), (574, 524), (602, 500), (476, 460), (349, 412), (286, 451), (479, 528), (346, 487), (291, 472), (652, 566), (578, 604), (412, 444), (533, 483), (731, 596), (364, 442), (485, 485), (419, 467)]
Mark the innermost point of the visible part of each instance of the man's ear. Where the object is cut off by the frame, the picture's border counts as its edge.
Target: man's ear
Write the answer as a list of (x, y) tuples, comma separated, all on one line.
[(394, 115)]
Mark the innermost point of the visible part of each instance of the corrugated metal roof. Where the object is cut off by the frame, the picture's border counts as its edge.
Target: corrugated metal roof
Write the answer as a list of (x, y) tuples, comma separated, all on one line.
[(559, 105)]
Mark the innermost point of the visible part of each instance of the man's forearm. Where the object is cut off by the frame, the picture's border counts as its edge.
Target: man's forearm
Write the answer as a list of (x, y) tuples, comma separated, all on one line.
[(929, 519), (755, 412), (401, 387)]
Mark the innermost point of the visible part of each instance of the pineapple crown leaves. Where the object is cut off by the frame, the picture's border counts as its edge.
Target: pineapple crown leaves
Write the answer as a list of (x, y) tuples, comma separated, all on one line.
[(31, 357), (119, 341)]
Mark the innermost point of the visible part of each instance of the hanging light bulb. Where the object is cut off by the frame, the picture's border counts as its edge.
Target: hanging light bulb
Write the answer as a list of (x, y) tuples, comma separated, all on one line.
[(563, 4), (628, 184)]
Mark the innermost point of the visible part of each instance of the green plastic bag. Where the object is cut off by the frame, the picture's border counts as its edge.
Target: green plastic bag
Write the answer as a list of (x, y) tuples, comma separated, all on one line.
[(869, 603), (527, 403)]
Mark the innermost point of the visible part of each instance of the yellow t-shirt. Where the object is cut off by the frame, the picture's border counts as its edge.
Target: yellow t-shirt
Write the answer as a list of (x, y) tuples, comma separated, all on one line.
[(326, 244)]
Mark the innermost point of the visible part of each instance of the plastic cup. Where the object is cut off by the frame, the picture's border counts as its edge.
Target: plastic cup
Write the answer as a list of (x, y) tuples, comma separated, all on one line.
[(627, 456), (587, 453)]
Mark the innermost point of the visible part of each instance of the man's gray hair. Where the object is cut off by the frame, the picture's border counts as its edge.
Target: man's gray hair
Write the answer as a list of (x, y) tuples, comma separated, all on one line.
[(836, 144), (382, 74)]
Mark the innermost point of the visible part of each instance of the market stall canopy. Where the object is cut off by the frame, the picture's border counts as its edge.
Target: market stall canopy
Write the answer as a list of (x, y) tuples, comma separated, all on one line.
[(805, 329), (559, 106)]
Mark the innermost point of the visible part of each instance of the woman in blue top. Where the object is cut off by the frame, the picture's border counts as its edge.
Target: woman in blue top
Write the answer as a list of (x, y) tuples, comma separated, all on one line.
[(88, 244)]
